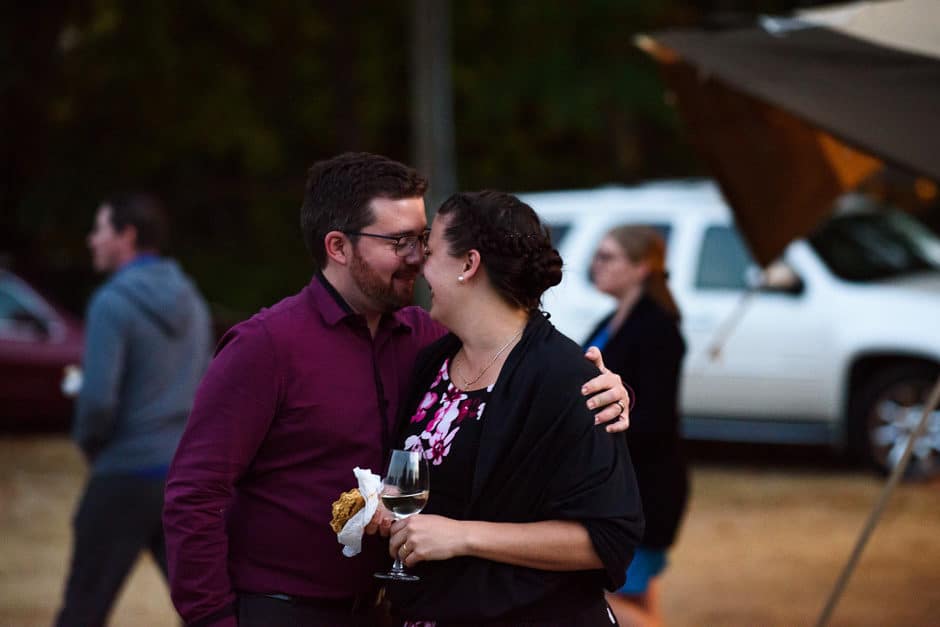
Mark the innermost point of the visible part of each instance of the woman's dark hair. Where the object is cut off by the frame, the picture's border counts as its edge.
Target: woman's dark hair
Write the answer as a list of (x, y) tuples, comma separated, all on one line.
[(145, 213), (515, 248), (339, 190)]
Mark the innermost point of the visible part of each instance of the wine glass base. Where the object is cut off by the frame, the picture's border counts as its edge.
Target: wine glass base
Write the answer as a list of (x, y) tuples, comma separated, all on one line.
[(393, 576)]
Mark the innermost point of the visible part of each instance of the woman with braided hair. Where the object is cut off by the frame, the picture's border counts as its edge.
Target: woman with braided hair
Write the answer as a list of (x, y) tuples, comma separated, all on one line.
[(641, 340), (533, 509)]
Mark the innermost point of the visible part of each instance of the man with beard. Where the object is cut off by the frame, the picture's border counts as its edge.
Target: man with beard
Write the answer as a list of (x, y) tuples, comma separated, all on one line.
[(296, 397)]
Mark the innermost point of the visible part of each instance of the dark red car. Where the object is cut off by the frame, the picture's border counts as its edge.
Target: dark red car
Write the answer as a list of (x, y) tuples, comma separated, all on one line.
[(37, 341)]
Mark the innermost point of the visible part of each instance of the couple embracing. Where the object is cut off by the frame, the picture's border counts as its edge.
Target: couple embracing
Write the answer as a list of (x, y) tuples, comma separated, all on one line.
[(534, 509)]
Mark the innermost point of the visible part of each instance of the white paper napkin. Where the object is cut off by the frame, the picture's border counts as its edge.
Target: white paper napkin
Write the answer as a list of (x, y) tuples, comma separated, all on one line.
[(350, 536)]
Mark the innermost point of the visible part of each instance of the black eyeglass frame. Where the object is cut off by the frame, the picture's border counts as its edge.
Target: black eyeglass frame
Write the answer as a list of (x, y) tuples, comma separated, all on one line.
[(402, 247)]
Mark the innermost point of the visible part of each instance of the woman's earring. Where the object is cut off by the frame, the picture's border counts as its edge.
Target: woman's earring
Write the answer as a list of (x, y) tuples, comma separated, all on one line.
[(460, 279)]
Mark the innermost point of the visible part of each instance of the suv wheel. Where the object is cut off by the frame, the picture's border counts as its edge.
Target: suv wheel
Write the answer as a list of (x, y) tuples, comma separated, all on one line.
[(885, 412)]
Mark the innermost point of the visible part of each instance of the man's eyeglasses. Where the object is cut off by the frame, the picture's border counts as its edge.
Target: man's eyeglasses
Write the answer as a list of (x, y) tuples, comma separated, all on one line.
[(404, 245)]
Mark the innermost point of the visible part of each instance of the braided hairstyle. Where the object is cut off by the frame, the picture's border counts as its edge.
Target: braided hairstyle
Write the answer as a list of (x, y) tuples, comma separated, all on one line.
[(515, 248)]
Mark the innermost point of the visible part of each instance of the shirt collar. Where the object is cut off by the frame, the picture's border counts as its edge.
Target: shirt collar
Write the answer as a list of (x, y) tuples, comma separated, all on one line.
[(334, 308)]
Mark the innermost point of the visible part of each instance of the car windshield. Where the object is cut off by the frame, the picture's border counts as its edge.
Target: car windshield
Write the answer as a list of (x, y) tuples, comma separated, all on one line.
[(877, 245)]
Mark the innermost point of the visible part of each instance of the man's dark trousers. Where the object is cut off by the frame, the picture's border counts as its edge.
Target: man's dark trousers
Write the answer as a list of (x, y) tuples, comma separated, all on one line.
[(259, 610), (118, 516)]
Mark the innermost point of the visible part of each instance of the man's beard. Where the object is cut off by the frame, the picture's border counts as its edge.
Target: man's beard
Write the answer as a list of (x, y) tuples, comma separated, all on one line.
[(383, 295)]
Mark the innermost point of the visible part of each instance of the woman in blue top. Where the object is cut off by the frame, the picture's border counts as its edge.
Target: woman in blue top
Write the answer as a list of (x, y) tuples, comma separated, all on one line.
[(641, 341)]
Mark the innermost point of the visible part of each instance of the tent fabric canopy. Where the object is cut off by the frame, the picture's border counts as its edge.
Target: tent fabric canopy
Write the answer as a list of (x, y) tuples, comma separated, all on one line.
[(789, 119), (910, 25)]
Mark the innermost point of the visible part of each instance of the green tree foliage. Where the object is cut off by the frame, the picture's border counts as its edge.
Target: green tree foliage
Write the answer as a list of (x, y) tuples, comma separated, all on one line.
[(220, 107), (554, 94)]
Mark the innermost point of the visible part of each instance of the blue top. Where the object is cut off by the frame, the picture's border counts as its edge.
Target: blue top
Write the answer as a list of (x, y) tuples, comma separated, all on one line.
[(147, 343), (600, 338), (158, 471)]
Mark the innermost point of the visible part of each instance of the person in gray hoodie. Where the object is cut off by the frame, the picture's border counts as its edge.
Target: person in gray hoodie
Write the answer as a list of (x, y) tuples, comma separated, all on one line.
[(148, 343)]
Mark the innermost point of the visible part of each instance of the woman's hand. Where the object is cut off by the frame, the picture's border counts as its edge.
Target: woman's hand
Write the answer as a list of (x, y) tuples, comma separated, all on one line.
[(426, 537), (381, 522), (608, 391)]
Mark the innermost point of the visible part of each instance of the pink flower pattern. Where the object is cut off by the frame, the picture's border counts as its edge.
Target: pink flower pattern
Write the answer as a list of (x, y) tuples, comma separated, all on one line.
[(453, 407), (429, 399)]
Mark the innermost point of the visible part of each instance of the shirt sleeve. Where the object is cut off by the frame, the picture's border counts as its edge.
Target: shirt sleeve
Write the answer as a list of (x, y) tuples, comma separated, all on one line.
[(234, 407), (102, 365)]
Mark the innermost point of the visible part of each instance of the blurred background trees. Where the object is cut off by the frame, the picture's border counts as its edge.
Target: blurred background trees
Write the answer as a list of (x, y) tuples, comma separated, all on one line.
[(220, 107)]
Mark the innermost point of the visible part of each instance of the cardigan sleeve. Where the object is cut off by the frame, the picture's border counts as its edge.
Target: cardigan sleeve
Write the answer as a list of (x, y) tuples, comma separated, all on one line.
[(594, 484)]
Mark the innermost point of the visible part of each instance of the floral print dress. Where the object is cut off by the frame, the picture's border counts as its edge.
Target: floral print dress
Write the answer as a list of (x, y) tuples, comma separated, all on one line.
[(447, 426)]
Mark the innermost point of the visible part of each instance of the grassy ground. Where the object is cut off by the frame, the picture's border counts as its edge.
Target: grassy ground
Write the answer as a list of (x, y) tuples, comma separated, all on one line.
[(763, 542)]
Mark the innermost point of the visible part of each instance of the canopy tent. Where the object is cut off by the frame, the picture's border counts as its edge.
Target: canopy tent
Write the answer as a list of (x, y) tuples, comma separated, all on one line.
[(793, 112)]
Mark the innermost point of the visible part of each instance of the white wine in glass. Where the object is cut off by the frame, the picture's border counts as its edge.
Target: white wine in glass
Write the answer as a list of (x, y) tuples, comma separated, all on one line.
[(404, 505), (405, 492)]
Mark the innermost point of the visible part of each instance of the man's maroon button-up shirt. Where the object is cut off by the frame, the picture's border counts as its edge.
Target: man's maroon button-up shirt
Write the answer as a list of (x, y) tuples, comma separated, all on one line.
[(295, 398)]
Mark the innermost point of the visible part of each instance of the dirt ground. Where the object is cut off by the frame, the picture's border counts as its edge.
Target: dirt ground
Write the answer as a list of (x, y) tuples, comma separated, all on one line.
[(765, 537)]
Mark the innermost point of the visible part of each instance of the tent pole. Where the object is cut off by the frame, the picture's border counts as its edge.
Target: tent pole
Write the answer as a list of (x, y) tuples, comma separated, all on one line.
[(896, 474)]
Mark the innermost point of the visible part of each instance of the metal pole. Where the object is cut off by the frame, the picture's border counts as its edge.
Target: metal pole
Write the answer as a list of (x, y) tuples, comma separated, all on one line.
[(896, 474), (432, 107), (432, 96)]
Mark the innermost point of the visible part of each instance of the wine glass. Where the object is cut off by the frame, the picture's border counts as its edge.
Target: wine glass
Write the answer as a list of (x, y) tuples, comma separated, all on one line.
[(405, 492)]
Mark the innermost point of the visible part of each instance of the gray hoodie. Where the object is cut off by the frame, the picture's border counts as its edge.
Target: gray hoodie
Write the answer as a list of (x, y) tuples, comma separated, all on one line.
[(147, 344)]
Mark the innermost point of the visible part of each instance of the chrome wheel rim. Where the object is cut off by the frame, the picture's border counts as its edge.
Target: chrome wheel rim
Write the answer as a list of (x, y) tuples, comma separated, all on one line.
[(892, 421)]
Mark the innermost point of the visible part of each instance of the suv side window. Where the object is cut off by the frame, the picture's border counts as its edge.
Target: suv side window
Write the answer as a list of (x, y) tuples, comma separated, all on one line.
[(665, 230), (11, 308), (723, 260), (17, 319), (558, 232)]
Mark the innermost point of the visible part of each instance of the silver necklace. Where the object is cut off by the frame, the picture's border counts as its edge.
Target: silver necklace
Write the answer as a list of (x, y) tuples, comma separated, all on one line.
[(466, 383)]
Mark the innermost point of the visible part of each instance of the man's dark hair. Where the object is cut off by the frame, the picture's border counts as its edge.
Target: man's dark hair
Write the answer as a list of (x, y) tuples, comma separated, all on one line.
[(339, 191), (145, 213)]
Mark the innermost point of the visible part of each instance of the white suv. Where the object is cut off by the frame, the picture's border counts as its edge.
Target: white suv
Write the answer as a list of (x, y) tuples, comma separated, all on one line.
[(838, 342)]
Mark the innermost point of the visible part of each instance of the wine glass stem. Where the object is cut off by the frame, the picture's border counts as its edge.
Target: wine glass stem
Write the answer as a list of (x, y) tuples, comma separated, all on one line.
[(398, 566)]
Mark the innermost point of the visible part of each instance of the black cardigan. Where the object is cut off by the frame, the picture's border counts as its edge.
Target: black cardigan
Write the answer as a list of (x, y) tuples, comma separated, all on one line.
[(647, 353), (540, 458)]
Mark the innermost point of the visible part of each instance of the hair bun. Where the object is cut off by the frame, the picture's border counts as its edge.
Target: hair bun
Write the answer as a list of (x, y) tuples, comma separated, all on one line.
[(545, 264)]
